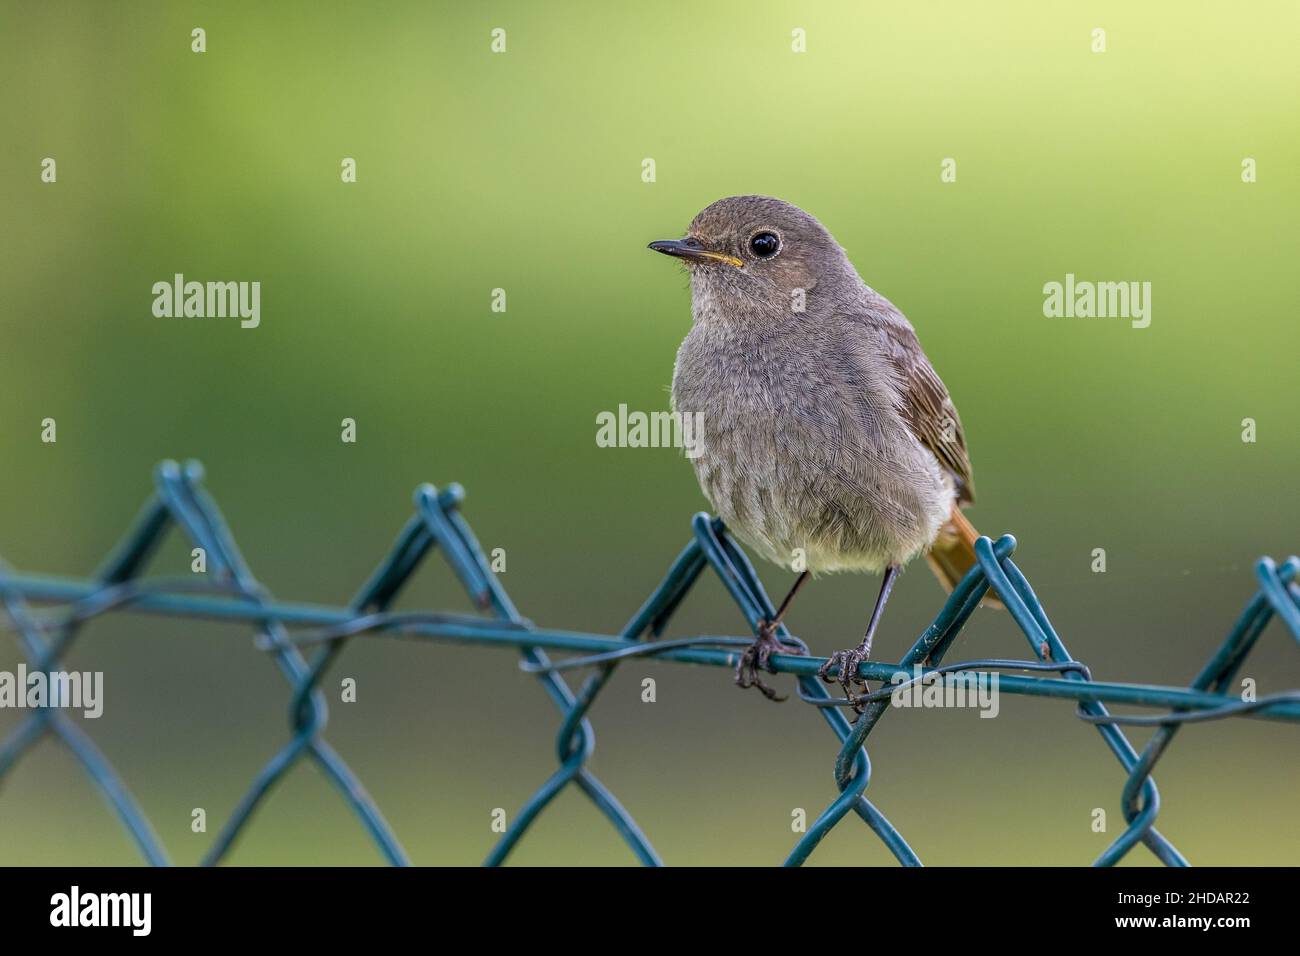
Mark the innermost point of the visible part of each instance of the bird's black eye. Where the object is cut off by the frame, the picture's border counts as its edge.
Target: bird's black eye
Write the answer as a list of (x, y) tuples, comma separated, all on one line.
[(765, 244)]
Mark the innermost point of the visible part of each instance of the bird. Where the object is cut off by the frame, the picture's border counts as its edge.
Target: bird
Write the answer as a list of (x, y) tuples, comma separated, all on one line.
[(829, 443)]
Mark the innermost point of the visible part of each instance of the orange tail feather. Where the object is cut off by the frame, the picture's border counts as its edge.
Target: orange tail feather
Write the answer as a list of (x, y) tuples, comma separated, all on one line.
[(953, 554)]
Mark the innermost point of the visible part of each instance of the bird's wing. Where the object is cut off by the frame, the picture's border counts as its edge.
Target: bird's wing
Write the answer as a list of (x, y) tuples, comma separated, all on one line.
[(926, 405)]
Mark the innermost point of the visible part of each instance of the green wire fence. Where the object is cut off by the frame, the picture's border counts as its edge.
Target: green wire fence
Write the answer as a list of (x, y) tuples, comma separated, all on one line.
[(304, 639)]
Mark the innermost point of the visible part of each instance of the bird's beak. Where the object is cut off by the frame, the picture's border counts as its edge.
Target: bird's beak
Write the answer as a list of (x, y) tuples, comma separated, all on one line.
[(693, 251)]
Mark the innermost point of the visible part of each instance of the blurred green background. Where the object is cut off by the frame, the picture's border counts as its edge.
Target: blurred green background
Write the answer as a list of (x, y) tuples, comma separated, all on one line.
[(522, 171)]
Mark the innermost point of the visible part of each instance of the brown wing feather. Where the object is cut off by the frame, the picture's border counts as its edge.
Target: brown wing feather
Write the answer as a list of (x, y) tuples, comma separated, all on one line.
[(927, 407)]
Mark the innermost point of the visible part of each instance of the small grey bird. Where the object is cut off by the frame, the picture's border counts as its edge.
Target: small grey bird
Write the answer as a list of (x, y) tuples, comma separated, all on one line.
[(829, 442)]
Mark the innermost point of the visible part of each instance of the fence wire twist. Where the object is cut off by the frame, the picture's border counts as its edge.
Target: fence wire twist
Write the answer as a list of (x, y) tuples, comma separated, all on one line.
[(230, 592)]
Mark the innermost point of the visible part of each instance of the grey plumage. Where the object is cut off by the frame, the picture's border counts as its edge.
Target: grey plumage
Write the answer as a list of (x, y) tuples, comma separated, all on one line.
[(827, 432), (828, 443)]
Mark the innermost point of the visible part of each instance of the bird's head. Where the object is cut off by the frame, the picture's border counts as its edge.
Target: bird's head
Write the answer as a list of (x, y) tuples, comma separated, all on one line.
[(755, 255)]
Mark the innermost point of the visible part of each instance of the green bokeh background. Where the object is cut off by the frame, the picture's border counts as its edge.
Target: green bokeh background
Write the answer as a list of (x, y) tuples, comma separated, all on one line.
[(522, 171)]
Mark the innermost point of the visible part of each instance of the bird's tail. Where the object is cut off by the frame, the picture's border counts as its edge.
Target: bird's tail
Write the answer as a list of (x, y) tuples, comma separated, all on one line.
[(953, 554)]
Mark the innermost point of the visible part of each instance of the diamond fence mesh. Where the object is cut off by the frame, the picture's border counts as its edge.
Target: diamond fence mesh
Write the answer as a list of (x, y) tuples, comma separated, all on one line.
[(303, 640)]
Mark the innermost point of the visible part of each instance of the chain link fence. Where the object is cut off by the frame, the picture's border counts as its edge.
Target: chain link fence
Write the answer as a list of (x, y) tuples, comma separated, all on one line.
[(303, 640)]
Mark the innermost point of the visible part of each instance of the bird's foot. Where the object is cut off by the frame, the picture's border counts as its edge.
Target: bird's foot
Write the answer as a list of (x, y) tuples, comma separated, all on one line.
[(845, 663), (758, 657)]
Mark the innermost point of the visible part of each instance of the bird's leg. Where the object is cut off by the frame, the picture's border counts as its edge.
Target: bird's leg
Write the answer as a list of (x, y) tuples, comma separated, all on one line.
[(757, 655), (769, 628), (846, 662)]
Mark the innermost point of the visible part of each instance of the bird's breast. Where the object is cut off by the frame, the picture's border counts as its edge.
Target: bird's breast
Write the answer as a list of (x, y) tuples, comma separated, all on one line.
[(802, 463)]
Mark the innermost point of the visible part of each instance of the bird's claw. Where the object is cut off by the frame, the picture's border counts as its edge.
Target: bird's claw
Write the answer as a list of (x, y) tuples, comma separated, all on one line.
[(758, 657), (845, 663)]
